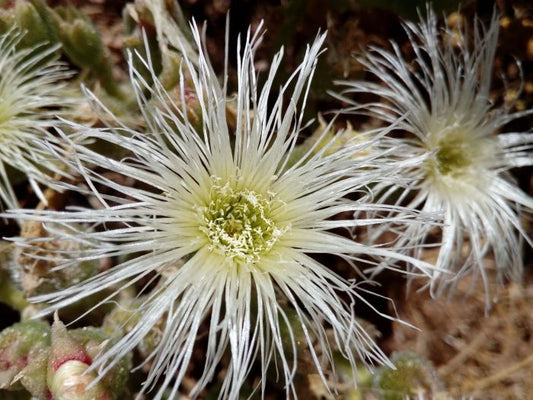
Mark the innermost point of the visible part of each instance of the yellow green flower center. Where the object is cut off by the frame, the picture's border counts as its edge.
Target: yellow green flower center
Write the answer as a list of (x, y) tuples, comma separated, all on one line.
[(238, 223), (458, 152), (452, 157)]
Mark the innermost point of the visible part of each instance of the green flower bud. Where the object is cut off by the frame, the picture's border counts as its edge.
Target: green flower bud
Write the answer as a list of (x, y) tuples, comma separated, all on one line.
[(71, 382), (84, 46), (414, 375), (46, 14), (82, 43), (33, 376), (71, 356), (23, 353), (29, 21)]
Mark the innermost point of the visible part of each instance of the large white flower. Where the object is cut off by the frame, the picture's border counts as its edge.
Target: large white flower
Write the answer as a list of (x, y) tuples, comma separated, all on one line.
[(227, 226), (441, 102), (31, 85)]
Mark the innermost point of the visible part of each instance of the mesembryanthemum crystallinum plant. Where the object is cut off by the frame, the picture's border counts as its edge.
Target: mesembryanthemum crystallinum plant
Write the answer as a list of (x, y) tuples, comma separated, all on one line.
[(226, 226), (31, 94), (441, 101)]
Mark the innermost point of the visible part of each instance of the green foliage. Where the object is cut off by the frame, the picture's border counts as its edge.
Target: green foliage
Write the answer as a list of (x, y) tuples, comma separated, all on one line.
[(413, 374)]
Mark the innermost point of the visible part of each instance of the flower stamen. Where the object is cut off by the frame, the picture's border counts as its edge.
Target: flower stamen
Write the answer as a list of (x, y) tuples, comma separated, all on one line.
[(239, 223), (452, 156)]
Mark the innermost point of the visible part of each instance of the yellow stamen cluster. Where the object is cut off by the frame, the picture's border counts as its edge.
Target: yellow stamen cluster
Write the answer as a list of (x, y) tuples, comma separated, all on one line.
[(239, 223), (453, 156)]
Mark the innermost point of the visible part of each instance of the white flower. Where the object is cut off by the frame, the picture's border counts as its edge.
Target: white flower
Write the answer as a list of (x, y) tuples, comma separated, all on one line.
[(441, 101), (30, 96), (226, 226)]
